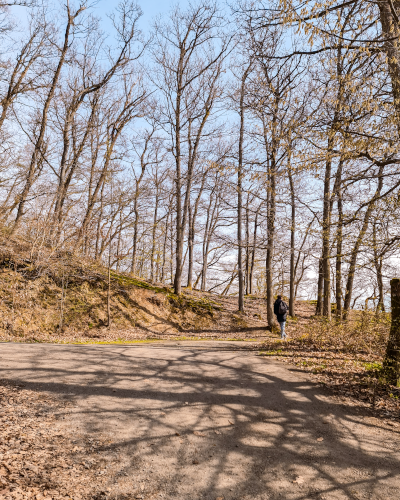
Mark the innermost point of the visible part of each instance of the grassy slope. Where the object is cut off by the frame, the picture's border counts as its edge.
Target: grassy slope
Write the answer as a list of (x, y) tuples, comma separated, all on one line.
[(59, 297)]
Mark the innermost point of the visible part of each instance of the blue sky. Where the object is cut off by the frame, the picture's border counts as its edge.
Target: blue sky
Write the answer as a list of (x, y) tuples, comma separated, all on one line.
[(150, 8)]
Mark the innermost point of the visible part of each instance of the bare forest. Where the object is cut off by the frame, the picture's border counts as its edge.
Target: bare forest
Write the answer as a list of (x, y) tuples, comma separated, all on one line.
[(163, 180), (245, 149)]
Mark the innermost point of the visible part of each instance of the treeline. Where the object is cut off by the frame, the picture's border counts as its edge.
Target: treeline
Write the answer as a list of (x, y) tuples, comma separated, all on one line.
[(249, 150)]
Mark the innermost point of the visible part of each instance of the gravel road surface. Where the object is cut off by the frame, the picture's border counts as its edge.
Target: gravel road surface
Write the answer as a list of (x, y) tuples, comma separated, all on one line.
[(211, 421)]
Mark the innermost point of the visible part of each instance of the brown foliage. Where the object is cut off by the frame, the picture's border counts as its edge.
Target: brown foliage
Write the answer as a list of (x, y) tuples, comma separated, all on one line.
[(345, 356)]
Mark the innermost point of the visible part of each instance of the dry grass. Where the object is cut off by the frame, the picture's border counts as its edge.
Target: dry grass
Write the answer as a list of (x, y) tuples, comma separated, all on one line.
[(51, 296), (345, 356)]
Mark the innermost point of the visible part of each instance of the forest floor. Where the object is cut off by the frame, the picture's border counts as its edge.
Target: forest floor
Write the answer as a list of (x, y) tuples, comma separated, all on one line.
[(183, 420)]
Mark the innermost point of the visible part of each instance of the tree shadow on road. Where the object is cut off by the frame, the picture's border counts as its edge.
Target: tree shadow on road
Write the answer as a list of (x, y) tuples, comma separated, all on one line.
[(212, 423)]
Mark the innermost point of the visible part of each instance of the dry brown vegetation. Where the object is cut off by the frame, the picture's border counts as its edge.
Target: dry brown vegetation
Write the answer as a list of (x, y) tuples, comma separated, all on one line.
[(38, 459), (58, 297), (345, 356)]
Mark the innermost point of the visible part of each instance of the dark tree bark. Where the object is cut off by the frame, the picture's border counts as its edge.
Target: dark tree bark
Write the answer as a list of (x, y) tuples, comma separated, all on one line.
[(320, 290), (240, 175), (339, 241), (391, 363)]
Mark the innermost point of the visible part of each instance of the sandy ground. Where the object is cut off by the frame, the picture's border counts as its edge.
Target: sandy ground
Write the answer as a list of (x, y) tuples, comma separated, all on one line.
[(208, 420)]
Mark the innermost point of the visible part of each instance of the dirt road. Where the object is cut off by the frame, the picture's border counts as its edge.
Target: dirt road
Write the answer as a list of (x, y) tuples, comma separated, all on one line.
[(210, 420)]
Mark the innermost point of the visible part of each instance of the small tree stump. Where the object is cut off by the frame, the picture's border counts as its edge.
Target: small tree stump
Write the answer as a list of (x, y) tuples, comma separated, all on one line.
[(391, 363)]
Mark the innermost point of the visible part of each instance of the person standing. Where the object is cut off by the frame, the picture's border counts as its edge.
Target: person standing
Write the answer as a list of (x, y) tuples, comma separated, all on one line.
[(281, 309)]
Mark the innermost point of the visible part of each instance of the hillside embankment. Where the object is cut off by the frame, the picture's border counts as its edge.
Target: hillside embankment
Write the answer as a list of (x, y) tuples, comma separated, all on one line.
[(56, 296)]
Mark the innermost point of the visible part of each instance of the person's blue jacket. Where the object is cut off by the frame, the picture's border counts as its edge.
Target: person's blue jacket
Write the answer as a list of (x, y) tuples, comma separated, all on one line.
[(280, 317)]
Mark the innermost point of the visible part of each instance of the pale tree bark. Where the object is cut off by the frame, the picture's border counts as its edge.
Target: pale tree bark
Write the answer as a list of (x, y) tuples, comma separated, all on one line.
[(188, 33), (193, 211), (158, 180), (36, 158), (247, 268), (355, 251)]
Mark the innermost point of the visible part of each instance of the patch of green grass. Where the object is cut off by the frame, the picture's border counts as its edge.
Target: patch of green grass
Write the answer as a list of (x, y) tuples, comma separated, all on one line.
[(181, 301), (129, 281), (372, 367), (278, 352), (233, 339), (110, 342)]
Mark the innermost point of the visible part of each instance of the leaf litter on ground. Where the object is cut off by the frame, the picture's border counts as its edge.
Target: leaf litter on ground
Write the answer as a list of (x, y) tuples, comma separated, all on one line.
[(343, 356), (38, 457)]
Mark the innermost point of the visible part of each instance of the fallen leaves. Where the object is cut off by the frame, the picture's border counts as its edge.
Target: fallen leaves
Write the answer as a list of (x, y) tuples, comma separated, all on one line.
[(38, 461), (299, 480), (344, 357), (198, 433)]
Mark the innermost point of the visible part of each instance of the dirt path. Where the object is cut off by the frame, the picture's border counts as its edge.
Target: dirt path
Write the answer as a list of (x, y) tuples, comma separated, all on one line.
[(209, 420)]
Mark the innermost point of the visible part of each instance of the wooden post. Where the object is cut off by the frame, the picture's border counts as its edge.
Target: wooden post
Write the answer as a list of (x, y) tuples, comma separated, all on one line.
[(391, 364)]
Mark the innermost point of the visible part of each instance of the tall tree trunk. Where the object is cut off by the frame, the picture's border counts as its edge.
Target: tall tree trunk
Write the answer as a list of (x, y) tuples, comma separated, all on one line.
[(178, 193), (391, 363), (240, 189), (171, 260), (357, 245), (164, 249), (391, 33), (206, 244), (192, 211), (326, 235), (292, 242), (320, 290), (339, 241), (135, 237), (190, 247), (270, 246), (378, 261), (247, 245), (37, 154), (153, 237), (253, 253)]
